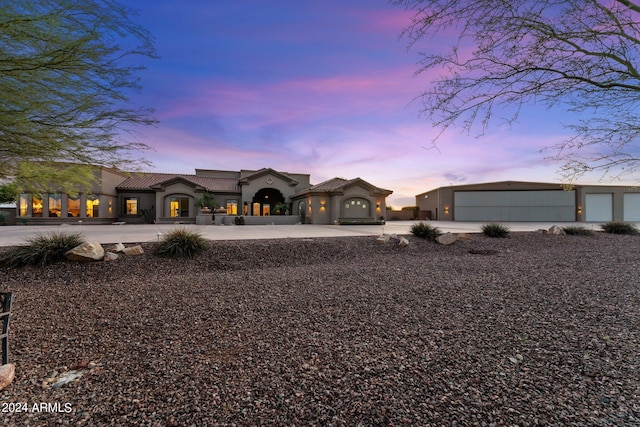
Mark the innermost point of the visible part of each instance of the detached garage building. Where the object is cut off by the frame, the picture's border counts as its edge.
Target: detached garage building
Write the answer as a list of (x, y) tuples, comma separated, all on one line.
[(509, 201)]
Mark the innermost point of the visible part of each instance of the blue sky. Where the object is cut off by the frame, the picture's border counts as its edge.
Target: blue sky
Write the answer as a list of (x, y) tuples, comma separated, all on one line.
[(325, 88)]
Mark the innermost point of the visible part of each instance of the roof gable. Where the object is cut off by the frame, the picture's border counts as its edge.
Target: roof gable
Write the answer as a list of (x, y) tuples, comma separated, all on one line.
[(268, 171), (338, 185), (159, 181)]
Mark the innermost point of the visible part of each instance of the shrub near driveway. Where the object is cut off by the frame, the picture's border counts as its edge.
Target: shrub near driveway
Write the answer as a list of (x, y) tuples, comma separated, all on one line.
[(425, 231), (495, 230), (577, 230), (182, 243), (615, 227), (44, 249)]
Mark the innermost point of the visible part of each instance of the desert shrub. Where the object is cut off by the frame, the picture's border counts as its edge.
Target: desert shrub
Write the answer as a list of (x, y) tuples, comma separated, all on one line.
[(425, 231), (495, 230), (43, 249), (615, 227), (577, 230), (181, 243)]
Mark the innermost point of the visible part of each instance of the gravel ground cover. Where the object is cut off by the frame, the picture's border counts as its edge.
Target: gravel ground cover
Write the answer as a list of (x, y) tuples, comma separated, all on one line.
[(529, 330)]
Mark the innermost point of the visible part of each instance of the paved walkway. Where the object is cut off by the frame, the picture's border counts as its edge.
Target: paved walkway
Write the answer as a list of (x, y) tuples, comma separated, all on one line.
[(139, 233)]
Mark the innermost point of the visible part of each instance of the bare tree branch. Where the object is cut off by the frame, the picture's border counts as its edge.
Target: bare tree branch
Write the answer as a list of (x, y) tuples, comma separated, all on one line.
[(580, 54)]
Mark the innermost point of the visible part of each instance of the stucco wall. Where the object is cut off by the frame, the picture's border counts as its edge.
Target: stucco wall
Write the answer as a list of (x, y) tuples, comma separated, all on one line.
[(266, 181), (10, 215)]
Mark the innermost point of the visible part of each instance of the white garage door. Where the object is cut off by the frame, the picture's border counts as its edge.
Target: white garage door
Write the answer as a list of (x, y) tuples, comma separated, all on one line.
[(632, 207), (599, 207), (539, 205)]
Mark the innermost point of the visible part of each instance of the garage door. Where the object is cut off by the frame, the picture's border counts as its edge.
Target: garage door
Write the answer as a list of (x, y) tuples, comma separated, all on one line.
[(632, 207), (539, 205), (599, 207)]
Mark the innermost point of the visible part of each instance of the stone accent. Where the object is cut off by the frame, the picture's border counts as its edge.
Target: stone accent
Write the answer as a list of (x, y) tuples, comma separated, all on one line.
[(463, 236), (85, 252), (110, 256), (133, 250), (383, 239), (403, 242), (557, 231), (7, 373), (446, 239), (118, 247)]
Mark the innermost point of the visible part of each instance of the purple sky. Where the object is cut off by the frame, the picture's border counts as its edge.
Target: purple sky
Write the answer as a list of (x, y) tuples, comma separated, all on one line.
[(324, 88)]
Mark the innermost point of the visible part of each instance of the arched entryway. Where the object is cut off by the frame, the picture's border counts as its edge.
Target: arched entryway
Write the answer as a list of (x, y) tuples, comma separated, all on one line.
[(265, 201)]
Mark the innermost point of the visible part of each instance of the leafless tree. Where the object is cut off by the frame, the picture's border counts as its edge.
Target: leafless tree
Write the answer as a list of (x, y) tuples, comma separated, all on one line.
[(582, 55)]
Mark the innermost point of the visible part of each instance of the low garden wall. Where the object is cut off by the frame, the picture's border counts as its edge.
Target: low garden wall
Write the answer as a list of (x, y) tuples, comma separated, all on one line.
[(258, 220)]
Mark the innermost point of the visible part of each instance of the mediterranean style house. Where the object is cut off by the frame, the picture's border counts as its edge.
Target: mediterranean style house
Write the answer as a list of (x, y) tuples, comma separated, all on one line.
[(265, 196)]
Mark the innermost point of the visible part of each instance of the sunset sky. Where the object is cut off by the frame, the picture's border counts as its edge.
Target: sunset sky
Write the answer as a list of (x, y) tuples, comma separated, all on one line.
[(325, 88)]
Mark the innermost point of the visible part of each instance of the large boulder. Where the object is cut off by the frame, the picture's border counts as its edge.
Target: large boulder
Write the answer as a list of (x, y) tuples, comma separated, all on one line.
[(85, 252), (557, 231), (446, 239), (7, 373), (133, 250), (118, 247), (403, 242)]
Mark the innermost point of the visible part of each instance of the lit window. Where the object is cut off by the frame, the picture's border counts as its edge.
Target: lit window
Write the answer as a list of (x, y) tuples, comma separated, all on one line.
[(131, 205), (55, 205), (232, 207), (93, 207), (179, 207), (37, 206), (24, 205), (73, 206)]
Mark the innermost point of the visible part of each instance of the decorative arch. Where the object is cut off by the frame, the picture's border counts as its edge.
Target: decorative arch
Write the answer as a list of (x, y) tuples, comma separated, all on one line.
[(265, 201), (355, 207)]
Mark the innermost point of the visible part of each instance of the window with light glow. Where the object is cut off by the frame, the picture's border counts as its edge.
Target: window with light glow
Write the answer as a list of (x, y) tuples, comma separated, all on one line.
[(24, 205), (179, 207), (73, 206), (131, 206), (55, 205), (93, 207), (36, 206), (232, 207)]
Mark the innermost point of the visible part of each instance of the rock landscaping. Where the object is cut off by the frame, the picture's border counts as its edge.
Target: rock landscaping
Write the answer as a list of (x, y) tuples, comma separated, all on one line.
[(533, 329)]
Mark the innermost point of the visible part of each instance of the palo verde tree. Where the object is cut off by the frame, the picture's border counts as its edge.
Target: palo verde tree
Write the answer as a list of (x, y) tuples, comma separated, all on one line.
[(582, 55), (67, 70)]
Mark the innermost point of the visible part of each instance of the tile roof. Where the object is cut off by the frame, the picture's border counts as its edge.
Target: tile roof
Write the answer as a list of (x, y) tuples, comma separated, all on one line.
[(144, 181), (338, 184), (331, 184)]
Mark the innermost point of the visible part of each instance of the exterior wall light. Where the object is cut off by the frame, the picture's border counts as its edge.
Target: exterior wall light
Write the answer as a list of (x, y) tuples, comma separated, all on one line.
[(446, 210), (579, 210)]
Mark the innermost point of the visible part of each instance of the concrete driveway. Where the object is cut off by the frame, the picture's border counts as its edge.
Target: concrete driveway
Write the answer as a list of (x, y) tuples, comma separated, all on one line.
[(139, 233)]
